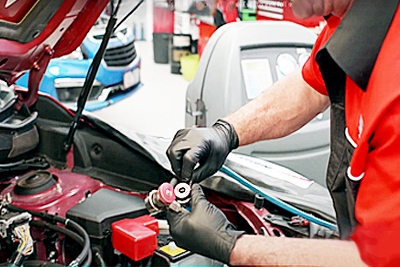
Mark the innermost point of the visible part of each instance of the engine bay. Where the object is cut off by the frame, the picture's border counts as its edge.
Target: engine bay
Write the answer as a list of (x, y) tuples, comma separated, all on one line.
[(89, 205), (76, 191)]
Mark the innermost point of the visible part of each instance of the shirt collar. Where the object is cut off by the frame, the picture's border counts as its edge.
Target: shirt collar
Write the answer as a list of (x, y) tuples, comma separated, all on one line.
[(356, 43)]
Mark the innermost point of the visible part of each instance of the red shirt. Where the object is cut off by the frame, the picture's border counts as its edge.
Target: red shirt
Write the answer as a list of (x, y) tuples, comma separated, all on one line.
[(373, 128)]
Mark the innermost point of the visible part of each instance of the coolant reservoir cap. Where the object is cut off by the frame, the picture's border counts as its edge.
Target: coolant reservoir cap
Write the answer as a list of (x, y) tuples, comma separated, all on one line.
[(34, 182)]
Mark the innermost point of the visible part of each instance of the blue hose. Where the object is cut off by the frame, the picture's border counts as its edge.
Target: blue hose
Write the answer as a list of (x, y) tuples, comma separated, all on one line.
[(277, 201)]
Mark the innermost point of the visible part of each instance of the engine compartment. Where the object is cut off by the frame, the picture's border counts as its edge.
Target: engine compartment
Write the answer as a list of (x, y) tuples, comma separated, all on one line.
[(73, 188), (86, 206), (118, 225)]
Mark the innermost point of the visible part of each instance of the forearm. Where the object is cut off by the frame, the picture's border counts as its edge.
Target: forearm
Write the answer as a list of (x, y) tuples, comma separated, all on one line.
[(282, 109), (274, 251)]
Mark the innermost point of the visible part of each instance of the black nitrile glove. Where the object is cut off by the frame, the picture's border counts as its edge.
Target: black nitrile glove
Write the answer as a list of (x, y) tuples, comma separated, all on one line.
[(207, 147), (205, 230)]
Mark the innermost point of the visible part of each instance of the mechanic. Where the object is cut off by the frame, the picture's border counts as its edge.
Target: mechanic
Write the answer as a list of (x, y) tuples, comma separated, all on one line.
[(353, 69)]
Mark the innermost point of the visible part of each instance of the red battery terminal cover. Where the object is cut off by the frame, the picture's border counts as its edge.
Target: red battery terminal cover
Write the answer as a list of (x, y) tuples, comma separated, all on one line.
[(135, 238)]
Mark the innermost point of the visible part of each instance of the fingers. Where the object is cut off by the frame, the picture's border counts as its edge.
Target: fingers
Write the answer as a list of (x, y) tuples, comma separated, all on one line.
[(175, 158), (207, 169), (174, 218), (183, 155), (190, 160), (197, 194), (176, 151), (184, 159), (189, 148), (202, 172)]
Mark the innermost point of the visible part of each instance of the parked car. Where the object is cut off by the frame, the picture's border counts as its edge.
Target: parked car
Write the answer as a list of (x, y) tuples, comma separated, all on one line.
[(241, 61), (76, 191), (118, 75)]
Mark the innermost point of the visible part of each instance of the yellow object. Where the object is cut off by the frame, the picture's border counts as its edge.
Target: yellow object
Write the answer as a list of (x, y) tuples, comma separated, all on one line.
[(172, 250), (189, 65)]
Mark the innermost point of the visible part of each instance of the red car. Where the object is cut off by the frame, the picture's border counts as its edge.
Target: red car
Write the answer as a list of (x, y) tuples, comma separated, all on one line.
[(77, 192)]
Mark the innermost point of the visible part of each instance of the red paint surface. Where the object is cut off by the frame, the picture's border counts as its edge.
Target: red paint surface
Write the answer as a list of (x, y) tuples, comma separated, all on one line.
[(14, 12), (239, 210), (64, 32), (69, 189)]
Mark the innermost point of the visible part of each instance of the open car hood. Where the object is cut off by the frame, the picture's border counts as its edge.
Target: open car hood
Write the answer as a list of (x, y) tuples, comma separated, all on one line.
[(34, 31)]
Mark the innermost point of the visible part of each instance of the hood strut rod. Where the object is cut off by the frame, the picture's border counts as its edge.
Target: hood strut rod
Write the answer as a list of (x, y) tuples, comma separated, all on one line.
[(129, 14), (90, 77)]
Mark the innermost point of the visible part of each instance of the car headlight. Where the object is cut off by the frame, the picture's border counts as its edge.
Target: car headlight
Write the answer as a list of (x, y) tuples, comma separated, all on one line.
[(76, 54)]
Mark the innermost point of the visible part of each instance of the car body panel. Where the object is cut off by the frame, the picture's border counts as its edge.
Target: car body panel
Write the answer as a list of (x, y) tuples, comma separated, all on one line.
[(56, 28)]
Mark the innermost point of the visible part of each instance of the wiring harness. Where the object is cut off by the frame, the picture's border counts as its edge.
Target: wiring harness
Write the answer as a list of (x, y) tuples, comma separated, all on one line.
[(15, 226)]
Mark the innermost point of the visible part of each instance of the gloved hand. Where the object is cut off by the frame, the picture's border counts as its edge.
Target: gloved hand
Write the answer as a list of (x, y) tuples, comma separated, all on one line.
[(207, 147), (205, 230)]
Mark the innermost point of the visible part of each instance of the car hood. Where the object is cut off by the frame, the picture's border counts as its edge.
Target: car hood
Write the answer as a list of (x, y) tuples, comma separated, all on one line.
[(34, 31), (270, 178)]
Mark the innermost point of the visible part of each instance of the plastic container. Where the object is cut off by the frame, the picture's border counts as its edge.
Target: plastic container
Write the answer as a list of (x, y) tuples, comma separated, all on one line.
[(181, 46), (189, 64), (161, 47)]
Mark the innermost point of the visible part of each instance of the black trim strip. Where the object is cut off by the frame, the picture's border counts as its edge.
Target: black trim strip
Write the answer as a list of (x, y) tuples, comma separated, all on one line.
[(356, 43)]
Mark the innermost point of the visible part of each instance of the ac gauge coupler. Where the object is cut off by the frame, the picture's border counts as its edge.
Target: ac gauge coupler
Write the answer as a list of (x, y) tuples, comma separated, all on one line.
[(163, 198)]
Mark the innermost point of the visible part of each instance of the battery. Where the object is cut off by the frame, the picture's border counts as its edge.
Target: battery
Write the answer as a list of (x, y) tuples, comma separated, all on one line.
[(172, 255)]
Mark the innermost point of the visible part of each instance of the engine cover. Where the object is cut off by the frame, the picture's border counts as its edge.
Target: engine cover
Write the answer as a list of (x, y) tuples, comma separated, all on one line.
[(99, 211)]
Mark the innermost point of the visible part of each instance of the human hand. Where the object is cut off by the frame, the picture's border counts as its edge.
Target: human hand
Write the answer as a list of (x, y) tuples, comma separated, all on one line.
[(207, 147), (205, 230)]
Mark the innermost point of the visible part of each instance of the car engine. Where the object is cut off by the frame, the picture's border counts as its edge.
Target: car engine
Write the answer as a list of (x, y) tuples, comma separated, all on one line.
[(76, 191), (64, 218)]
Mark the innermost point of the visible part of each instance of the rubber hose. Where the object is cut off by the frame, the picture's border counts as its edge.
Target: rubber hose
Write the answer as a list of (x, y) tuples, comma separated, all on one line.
[(78, 239), (277, 201)]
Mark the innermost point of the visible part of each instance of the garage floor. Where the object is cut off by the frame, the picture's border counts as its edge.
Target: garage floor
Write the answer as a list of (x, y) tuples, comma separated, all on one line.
[(157, 108)]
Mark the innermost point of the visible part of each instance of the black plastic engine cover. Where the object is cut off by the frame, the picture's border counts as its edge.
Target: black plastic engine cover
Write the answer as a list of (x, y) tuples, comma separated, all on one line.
[(99, 211)]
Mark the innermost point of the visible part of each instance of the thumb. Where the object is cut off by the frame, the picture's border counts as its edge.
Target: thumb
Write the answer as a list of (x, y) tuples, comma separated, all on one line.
[(174, 218)]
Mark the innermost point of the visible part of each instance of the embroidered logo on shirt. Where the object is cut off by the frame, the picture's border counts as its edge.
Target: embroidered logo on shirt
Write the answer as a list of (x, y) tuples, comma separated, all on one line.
[(360, 126)]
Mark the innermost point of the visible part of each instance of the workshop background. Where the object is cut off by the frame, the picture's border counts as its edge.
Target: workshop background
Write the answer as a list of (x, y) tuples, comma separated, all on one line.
[(158, 106)]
